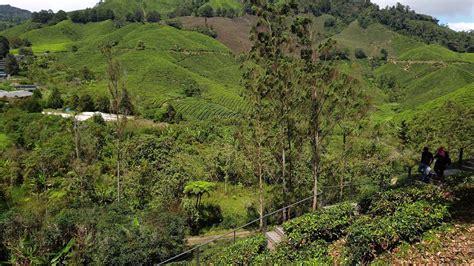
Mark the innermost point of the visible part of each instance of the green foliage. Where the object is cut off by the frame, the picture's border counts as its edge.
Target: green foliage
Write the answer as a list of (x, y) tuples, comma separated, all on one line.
[(55, 100), (328, 224), (11, 65), (369, 236), (4, 47), (243, 252), (315, 252), (386, 203), (360, 53), (199, 188), (86, 103)]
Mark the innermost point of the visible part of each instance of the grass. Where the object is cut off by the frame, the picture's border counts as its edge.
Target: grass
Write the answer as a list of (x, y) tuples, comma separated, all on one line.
[(373, 39), (421, 82), (233, 204), (434, 52), (4, 141)]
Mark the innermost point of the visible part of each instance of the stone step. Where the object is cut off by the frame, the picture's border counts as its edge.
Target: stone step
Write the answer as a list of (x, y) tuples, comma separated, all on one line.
[(468, 163), (279, 230), (468, 168), (273, 239)]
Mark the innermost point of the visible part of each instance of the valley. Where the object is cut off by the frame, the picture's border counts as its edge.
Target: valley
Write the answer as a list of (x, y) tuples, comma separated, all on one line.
[(157, 126)]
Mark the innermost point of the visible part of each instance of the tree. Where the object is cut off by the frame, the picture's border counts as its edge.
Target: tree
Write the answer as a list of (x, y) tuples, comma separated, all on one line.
[(55, 100), (138, 16), (25, 51), (331, 95), (103, 104), (61, 15), (153, 17), (206, 11), (198, 189), (193, 89), (383, 54), (37, 95), (126, 105), (116, 88), (43, 17), (11, 65), (4, 47), (73, 101), (86, 103), (87, 74)]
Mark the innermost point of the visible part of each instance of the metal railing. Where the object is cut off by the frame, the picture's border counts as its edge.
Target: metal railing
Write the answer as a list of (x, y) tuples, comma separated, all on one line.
[(197, 249)]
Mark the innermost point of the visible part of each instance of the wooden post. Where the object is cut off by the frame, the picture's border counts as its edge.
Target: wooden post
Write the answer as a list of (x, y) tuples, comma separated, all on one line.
[(198, 262), (461, 154), (409, 172), (234, 236)]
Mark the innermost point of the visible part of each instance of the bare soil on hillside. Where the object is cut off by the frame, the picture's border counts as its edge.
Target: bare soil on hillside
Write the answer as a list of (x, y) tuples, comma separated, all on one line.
[(232, 32)]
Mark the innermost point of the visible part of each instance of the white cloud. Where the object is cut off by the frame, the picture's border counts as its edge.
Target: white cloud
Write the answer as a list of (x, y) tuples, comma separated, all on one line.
[(462, 26), (445, 8), (55, 5)]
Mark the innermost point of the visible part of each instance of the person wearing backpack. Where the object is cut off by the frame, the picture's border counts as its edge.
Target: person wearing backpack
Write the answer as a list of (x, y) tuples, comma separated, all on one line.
[(425, 162), (442, 161)]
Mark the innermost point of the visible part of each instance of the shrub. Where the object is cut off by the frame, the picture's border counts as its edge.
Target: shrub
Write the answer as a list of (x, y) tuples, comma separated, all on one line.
[(414, 219), (330, 22), (386, 203), (175, 24), (192, 89), (243, 252), (369, 236), (140, 46), (206, 31), (328, 224), (360, 53), (366, 237), (315, 252)]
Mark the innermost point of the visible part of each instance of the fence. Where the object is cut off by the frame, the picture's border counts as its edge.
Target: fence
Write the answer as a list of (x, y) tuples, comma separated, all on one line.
[(232, 234)]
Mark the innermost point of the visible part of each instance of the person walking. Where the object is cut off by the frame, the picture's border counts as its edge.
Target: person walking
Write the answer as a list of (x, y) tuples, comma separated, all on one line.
[(442, 162), (425, 163)]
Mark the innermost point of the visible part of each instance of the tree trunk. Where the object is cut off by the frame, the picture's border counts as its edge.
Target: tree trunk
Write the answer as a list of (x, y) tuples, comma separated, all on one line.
[(315, 141), (260, 187), (283, 176), (119, 134), (76, 138)]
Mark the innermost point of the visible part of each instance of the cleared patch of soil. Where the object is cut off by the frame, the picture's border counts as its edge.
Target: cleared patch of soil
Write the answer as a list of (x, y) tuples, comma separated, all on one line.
[(232, 32)]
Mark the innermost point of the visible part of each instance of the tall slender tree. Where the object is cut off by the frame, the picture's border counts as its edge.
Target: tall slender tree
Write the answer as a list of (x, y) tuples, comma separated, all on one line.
[(117, 89), (332, 96)]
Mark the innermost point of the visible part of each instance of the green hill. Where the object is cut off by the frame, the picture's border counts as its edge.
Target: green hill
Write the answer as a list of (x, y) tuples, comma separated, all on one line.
[(11, 16), (122, 7), (171, 61)]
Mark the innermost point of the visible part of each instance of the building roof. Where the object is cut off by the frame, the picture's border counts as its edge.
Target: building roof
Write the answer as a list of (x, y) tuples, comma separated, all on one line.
[(15, 94)]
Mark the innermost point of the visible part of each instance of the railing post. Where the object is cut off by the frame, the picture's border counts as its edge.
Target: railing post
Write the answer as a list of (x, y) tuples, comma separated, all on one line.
[(265, 224), (461, 154), (198, 261)]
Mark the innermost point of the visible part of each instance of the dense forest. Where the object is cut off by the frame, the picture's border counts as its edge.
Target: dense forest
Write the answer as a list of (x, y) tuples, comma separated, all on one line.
[(198, 140)]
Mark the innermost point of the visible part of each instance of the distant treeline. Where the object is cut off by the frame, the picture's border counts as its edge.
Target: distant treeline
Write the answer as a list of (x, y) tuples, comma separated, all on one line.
[(399, 18)]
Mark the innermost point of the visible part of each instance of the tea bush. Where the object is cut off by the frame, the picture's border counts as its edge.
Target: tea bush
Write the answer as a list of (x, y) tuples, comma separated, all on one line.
[(328, 224), (315, 253), (243, 252), (386, 203), (371, 235)]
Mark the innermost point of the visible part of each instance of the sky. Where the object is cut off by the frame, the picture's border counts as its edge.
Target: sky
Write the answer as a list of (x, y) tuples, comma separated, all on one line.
[(458, 14)]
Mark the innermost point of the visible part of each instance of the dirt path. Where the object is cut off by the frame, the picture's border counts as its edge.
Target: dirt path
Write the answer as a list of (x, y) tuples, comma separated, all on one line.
[(196, 240)]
